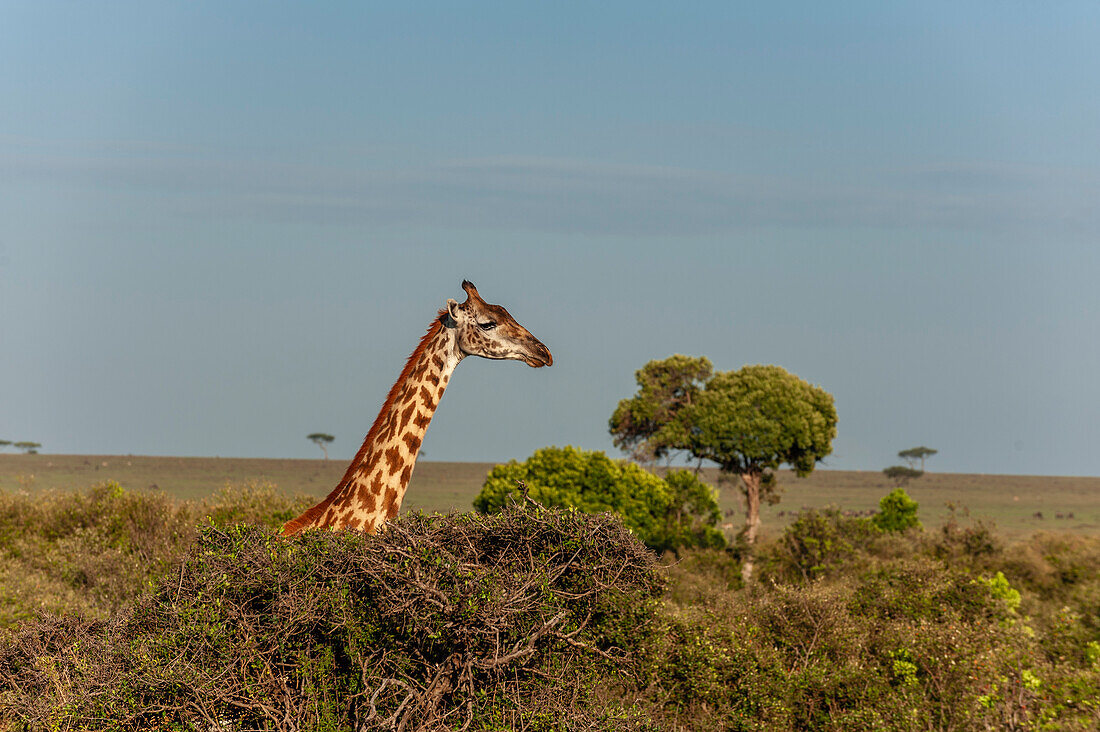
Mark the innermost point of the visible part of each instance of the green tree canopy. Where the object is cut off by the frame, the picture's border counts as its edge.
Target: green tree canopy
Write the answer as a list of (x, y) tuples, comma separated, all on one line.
[(648, 425), (4, 443), (666, 514), (749, 422), (753, 420), (761, 417), (29, 448)]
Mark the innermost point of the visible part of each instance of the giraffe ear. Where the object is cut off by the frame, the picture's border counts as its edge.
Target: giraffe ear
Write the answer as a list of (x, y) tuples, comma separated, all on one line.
[(452, 308)]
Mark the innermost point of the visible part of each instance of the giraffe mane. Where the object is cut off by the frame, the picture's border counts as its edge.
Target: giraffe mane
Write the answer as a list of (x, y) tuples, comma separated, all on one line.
[(311, 515)]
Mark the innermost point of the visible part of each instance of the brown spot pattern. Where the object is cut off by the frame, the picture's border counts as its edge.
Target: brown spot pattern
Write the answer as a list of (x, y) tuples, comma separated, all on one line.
[(389, 503), (393, 460), (407, 415)]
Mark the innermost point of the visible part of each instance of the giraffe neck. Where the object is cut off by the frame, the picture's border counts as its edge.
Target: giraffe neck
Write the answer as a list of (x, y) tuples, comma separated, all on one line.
[(374, 485)]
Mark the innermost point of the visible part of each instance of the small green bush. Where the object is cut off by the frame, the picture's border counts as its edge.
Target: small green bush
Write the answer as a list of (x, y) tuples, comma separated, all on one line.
[(897, 512), (680, 511)]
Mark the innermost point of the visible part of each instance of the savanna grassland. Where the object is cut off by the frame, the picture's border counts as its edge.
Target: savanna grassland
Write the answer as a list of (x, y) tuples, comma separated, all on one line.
[(141, 593), (1013, 503)]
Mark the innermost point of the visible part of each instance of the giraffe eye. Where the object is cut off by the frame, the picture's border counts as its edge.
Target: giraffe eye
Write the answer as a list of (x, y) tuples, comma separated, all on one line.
[(487, 326)]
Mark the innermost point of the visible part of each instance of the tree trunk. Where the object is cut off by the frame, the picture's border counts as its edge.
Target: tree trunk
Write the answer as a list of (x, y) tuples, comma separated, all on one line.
[(751, 486)]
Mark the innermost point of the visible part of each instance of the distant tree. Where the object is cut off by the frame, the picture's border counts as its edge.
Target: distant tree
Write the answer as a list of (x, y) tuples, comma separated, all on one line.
[(4, 443), (29, 448), (902, 474), (913, 454), (897, 512), (321, 439), (670, 514), (648, 425)]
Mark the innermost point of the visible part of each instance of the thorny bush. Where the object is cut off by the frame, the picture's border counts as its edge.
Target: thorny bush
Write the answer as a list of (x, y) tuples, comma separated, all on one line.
[(439, 622)]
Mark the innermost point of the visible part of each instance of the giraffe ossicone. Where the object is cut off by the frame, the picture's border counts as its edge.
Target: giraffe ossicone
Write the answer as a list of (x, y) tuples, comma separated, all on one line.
[(371, 491)]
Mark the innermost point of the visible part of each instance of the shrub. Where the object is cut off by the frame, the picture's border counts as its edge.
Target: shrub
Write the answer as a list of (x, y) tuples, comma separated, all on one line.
[(853, 627), (897, 512), (692, 514), (972, 543), (253, 502), (678, 512), (913, 645), (816, 542), (502, 621), (87, 551), (92, 551)]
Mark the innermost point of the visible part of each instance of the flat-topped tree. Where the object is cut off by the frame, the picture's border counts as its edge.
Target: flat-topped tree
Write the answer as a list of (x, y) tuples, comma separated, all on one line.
[(29, 448), (913, 454), (901, 474), (4, 443), (321, 439)]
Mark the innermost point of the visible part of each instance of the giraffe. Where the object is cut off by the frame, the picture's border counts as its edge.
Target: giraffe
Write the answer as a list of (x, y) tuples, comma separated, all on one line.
[(371, 490)]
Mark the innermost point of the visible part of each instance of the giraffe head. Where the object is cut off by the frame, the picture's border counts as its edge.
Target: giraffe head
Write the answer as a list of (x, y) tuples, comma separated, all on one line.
[(489, 331)]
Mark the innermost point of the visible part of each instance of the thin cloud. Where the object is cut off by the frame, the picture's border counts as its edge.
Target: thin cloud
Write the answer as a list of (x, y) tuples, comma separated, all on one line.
[(569, 195)]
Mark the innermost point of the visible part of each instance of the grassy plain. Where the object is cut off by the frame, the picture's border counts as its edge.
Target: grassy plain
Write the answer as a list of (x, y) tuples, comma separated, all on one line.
[(1012, 502)]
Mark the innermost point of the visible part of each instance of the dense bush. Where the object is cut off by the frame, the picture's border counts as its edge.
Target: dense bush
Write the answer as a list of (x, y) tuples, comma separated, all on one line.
[(817, 542), (498, 622), (667, 514), (92, 551), (885, 636), (536, 619), (911, 647)]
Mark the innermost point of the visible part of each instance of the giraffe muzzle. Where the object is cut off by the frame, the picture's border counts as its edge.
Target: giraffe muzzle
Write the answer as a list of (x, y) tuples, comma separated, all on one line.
[(539, 356)]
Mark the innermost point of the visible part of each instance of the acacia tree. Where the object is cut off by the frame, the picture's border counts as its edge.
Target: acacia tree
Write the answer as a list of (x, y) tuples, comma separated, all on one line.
[(901, 474), (749, 422), (4, 443), (913, 454), (321, 439), (648, 425), (28, 448)]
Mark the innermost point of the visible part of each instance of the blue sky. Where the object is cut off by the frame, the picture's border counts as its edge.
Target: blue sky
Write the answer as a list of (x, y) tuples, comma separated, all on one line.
[(224, 226)]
